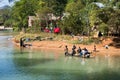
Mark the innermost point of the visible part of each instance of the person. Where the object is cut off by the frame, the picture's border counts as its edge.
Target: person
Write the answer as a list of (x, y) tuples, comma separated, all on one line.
[(85, 52), (51, 29), (106, 46), (79, 50), (94, 48), (74, 46), (73, 50), (82, 52), (100, 34), (57, 30), (66, 50), (47, 30), (21, 42)]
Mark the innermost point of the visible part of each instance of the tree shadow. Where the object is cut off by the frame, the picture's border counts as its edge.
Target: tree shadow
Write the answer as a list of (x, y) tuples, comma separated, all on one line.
[(61, 74), (116, 42), (27, 62)]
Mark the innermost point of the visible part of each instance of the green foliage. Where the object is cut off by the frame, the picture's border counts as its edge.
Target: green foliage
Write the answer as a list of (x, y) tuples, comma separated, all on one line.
[(20, 12), (104, 28), (80, 16), (76, 9), (118, 5), (114, 21), (72, 24), (8, 23), (93, 14), (5, 14), (56, 6)]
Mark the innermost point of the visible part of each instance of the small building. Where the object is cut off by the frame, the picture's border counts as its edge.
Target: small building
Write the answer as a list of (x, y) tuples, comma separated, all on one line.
[(30, 20)]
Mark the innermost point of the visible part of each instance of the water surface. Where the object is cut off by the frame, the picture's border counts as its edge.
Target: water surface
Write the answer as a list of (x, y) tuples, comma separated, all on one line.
[(30, 64)]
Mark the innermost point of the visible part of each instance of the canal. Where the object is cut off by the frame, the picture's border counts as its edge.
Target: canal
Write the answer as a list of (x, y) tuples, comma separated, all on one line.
[(31, 64)]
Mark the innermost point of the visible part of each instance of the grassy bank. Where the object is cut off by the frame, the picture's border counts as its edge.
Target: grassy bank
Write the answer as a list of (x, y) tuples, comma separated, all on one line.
[(57, 37)]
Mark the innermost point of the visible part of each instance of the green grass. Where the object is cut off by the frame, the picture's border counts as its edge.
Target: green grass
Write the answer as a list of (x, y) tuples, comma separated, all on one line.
[(43, 35), (67, 38)]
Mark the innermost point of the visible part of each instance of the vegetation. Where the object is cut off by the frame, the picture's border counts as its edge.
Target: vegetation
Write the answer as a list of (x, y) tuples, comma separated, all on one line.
[(74, 16)]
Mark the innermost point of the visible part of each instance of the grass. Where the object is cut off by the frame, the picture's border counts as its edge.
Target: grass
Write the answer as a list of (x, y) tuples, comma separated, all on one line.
[(58, 37), (85, 42), (43, 35)]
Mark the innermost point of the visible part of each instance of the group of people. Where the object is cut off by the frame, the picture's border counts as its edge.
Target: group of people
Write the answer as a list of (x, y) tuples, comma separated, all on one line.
[(52, 30), (81, 52)]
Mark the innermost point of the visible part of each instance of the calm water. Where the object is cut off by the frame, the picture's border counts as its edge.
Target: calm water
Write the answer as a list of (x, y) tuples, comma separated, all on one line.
[(29, 64)]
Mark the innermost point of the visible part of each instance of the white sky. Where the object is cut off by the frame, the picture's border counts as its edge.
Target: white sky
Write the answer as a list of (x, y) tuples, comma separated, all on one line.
[(3, 3), (6, 2)]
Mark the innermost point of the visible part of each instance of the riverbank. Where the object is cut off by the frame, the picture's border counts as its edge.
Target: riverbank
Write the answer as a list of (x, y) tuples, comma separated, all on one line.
[(58, 46)]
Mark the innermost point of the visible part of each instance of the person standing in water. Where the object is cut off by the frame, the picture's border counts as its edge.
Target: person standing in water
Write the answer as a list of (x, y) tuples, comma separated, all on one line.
[(79, 50), (66, 50), (21, 42), (73, 50)]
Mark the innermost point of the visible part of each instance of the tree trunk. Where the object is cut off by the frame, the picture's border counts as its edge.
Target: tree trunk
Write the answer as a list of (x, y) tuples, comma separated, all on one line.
[(24, 30)]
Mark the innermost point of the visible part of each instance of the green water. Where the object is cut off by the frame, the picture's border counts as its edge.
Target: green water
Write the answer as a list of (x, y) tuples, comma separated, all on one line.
[(30, 64)]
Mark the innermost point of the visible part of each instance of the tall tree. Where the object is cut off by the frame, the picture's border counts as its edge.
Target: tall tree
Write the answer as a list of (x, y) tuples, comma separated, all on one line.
[(21, 10)]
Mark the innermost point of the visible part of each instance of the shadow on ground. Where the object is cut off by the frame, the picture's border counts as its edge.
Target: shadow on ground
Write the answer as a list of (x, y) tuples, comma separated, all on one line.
[(116, 42)]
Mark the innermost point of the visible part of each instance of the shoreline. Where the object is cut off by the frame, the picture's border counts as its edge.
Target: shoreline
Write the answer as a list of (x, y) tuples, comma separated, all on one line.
[(58, 46)]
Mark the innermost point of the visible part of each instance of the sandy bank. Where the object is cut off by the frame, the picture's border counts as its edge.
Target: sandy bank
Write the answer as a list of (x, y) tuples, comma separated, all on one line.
[(59, 47)]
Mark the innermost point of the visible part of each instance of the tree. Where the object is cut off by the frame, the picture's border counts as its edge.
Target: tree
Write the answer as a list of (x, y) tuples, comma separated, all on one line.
[(104, 28), (20, 12), (114, 21), (59, 7), (72, 21), (5, 15), (72, 24)]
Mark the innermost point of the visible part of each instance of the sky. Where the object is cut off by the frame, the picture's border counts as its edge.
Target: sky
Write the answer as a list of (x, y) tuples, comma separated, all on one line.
[(3, 3), (6, 2)]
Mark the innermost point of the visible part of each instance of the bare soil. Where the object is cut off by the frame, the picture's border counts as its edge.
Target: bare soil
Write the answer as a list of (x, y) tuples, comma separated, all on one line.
[(58, 46)]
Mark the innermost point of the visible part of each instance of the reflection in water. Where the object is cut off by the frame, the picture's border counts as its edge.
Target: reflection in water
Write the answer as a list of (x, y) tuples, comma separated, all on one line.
[(83, 61), (40, 65)]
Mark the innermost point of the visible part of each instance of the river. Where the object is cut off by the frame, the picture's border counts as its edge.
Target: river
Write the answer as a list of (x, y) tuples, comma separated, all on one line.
[(31, 64)]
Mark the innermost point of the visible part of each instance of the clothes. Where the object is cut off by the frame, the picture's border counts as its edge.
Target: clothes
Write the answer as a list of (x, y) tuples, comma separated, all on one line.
[(66, 51), (21, 42), (79, 50), (74, 47), (73, 52), (83, 52), (106, 46)]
